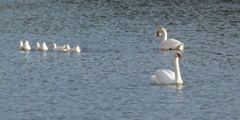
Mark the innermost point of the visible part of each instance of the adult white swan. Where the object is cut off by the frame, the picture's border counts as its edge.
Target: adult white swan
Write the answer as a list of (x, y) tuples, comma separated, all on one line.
[(166, 76), (168, 44)]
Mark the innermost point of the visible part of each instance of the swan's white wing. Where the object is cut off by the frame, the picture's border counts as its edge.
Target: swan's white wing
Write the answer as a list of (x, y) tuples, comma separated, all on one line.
[(163, 77), (171, 44)]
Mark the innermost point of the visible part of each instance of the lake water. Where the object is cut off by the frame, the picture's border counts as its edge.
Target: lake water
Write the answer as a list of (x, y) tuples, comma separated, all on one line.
[(110, 78)]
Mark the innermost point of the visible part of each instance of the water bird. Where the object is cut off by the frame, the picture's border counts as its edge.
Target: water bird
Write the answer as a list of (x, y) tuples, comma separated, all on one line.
[(75, 49), (43, 47), (168, 44), (166, 76), (55, 48), (24, 46)]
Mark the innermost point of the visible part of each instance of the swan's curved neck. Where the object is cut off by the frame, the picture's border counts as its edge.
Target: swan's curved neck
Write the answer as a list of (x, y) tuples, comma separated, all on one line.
[(37, 45), (164, 32), (177, 71), (21, 43), (67, 47), (54, 46)]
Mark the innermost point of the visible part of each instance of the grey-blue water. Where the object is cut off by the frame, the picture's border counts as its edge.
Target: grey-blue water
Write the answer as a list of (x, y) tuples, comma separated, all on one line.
[(110, 78)]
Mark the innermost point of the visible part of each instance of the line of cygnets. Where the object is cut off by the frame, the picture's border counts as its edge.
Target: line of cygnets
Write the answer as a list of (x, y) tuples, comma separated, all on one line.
[(43, 47)]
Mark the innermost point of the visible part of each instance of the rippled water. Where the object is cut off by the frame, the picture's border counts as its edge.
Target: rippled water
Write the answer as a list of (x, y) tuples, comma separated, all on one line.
[(110, 78)]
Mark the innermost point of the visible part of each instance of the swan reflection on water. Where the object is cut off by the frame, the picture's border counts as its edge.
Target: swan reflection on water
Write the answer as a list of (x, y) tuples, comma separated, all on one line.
[(178, 86), (25, 54)]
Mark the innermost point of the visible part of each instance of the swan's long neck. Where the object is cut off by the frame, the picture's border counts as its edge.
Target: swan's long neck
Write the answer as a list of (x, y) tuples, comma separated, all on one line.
[(177, 71), (37, 44), (54, 45), (21, 43), (164, 32), (67, 47)]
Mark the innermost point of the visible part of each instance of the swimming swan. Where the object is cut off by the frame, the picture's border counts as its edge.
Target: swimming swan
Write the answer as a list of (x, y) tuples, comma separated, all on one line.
[(166, 76), (43, 47), (24, 46), (168, 44), (75, 49), (55, 48)]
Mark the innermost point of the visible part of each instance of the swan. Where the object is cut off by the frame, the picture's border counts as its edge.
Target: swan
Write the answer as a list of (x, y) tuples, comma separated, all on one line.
[(166, 76), (43, 47), (55, 48), (37, 46), (168, 44), (24, 46), (75, 49)]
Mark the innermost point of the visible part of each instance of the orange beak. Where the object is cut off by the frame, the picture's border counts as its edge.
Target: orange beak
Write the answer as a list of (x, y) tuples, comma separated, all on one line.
[(180, 57), (157, 36)]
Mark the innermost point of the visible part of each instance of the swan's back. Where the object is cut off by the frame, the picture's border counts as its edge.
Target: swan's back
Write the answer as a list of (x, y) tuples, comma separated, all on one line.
[(171, 42)]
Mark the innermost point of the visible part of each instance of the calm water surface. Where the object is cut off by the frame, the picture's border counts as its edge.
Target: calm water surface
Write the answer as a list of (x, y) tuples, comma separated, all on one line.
[(110, 78)]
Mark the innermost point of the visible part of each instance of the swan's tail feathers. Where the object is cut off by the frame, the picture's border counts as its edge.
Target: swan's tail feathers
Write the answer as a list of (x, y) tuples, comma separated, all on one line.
[(153, 78), (180, 46)]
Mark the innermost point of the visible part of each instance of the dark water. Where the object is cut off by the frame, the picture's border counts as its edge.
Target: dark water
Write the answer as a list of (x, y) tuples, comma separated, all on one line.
[(110, 78)]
